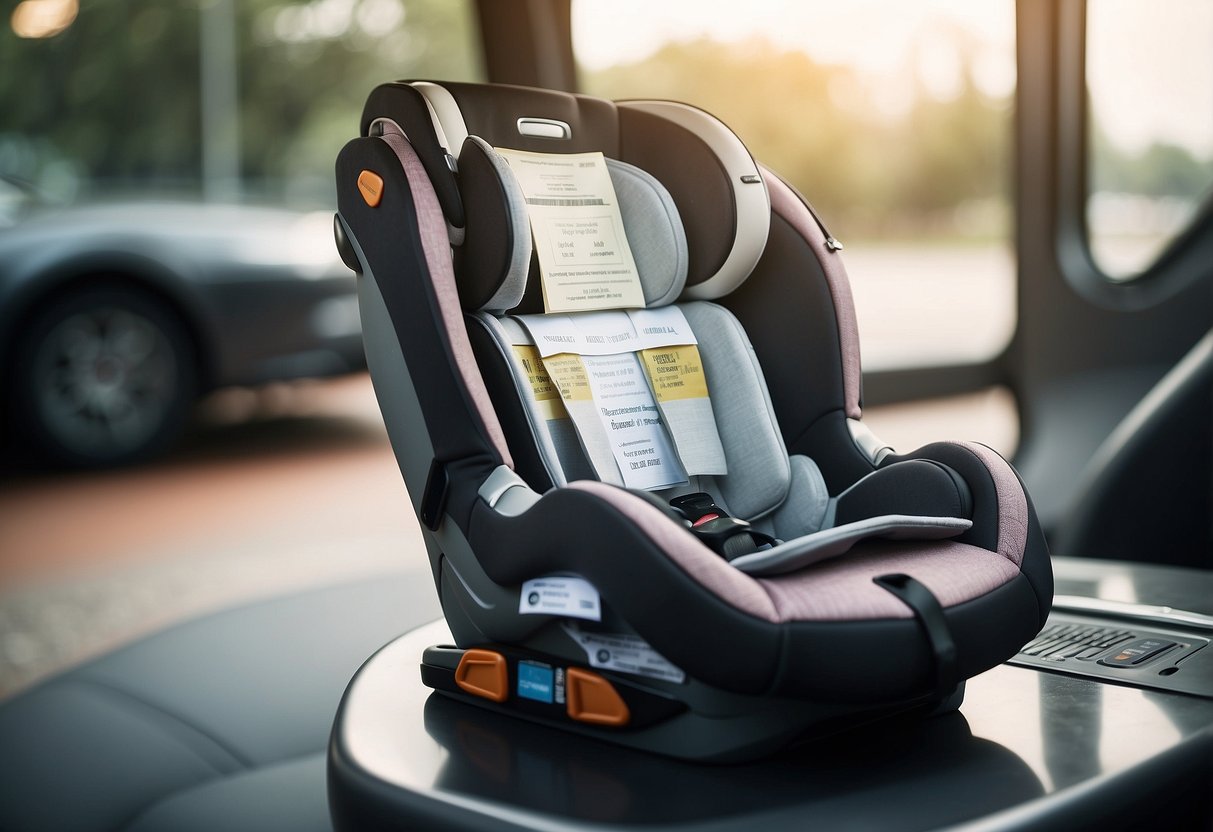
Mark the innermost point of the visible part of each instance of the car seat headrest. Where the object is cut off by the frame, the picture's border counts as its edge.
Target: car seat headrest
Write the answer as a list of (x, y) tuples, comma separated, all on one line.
[(494, 263), (714, 181), (707, 180)]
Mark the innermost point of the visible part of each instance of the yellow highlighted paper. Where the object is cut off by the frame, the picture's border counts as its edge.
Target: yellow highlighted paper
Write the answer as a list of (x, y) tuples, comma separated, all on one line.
[(568, 372), (675, 373), (544, 390)]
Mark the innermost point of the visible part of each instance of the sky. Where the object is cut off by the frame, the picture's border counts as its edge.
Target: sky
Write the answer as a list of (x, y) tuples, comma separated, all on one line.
[(1150, 63)]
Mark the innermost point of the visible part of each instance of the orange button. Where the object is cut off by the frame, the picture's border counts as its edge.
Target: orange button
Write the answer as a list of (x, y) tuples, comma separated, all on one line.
[(370, 185), (483, 673), (591, 698)]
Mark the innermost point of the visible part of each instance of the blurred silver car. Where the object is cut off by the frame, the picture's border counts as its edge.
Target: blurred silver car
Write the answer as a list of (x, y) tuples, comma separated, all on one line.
[(115, 317)]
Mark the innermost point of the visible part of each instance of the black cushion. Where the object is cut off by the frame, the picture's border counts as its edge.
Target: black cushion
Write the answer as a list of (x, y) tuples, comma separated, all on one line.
[(215, 719), (288, 797)]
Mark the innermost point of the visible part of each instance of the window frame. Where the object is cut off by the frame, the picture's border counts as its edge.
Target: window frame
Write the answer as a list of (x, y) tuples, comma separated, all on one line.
[(1178, 264)]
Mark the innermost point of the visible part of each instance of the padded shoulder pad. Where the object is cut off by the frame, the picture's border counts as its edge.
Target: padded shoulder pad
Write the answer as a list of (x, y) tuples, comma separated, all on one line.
[(715, 183), (654, 231), (760, 474), (491, 266)]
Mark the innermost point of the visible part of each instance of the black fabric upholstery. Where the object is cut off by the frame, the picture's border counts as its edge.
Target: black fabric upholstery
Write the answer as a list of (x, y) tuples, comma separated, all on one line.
[(695, 179), (801, 361), (528, 463), (984, 532), (214, 724), (882, 660), (916, 487), (482, 267), (572, 531), (1036, 566), (406, 106), (828, 442), (493, 112), (389, 239)]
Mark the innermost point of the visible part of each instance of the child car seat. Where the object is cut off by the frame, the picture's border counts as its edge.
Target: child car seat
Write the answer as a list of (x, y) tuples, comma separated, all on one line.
[(796, 577)]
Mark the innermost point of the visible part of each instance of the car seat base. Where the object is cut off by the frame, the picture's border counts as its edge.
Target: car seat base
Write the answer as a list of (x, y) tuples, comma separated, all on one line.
[(688, 721)]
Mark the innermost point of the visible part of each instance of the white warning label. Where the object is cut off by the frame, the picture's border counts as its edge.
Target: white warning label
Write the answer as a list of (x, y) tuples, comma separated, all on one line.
[(624, 653), (572, 597)]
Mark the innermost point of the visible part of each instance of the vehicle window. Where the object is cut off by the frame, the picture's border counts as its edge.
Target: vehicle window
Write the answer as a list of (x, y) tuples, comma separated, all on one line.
[(229, 99), (893, 118), (1149, 69)]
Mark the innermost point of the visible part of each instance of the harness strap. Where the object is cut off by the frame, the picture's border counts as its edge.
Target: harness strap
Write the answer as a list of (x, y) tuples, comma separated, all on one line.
[(929, 612), (731, 537)]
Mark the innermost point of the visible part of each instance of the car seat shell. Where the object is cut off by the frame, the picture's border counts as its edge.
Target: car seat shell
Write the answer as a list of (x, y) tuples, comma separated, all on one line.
[(827, 640)]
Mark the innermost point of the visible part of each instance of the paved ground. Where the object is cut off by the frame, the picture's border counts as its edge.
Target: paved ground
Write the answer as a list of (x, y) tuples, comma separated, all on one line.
[(288, 488)]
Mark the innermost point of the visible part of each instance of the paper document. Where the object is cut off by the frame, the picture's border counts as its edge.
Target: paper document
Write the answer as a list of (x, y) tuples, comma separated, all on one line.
[(638, 436), (662, 342), (620, 426), (681, 390), (609, 333), (569, 375), (584, 259), (547, 396)]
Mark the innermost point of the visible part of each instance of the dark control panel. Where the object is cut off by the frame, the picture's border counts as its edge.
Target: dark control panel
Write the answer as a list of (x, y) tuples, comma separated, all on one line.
[(1120, 651)]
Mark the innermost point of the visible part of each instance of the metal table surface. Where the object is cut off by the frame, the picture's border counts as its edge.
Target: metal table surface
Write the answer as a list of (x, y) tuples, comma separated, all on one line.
[(1028, 749)]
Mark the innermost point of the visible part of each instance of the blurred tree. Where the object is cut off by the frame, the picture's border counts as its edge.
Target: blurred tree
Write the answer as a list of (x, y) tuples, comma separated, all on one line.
[(1160, 170), (777, 101), (869, 174), (114, 97), (113, 101), (307, 69), (951, 152)]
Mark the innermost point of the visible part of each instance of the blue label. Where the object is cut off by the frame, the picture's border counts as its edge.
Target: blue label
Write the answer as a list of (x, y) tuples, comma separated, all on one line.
[(535, 681)]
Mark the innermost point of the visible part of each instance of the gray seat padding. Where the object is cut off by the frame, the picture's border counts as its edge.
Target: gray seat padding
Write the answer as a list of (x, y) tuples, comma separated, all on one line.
[(217, 723), (288, 797)]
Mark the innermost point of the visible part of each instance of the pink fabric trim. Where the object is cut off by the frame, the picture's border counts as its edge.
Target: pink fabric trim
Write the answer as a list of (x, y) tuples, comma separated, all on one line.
[(701, 563), (842, 590), (1012, 503), (835, 590), (431, 225), (786, 203)]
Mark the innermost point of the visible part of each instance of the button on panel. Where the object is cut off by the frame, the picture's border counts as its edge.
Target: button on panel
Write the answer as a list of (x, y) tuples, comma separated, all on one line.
[(483, 673), (593, 699), (370, 185), (1137, 652)]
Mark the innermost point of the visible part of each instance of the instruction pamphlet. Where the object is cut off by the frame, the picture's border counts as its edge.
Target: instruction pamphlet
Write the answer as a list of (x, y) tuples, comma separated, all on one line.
[(584, 259), (640, 406), (681, 389), (547, 395), (617, 419)]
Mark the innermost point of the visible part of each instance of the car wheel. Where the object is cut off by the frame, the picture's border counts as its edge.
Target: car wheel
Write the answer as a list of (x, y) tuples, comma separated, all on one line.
[(104, 377)]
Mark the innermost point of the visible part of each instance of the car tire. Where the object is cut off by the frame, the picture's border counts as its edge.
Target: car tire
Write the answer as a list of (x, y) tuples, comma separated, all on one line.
[(104, 376)]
